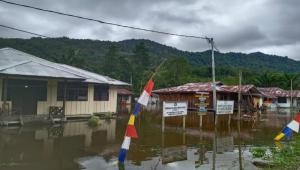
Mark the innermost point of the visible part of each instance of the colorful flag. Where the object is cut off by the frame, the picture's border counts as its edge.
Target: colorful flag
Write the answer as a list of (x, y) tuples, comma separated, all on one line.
[(130, 130), (124, 149), (288, 130), (144, 98), (137, 109)]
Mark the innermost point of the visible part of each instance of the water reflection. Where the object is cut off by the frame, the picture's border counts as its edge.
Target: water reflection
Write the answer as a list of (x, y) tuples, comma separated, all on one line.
[(74, 145), (54, 146)]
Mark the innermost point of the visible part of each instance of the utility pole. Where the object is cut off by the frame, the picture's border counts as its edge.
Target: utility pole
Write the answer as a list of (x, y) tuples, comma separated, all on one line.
[(239, 97), (291, 93), (211, 41)]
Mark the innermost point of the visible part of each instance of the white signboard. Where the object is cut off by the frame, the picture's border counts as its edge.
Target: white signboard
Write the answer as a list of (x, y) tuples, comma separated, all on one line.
[(224, 107), (176, 108)]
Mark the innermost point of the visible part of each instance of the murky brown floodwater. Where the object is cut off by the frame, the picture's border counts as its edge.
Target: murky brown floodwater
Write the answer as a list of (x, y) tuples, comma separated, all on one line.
[(74, 145)]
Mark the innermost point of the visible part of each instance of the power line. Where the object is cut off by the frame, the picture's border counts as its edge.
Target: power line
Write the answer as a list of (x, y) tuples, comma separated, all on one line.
[(215, 47), (103, 22), (44, 36), (24, 31)]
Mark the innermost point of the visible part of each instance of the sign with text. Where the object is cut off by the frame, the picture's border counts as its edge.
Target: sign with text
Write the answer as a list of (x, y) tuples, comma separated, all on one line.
[(224, 107), (174, 108), (202, 103)]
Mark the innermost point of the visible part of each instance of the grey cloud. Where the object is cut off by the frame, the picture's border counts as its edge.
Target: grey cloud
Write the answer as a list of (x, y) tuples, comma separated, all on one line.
[(267, 25)]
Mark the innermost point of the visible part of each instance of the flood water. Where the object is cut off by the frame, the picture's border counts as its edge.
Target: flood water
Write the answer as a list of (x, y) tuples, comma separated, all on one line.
[(75, 145)]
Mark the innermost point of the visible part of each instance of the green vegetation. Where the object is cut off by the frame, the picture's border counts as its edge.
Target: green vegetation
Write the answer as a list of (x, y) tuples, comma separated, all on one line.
[(94, 121), (258, 152), (135, 60), (286, 157)]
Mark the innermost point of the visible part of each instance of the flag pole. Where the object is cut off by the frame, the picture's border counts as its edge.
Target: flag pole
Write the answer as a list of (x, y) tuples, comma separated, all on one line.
[(157, 68)]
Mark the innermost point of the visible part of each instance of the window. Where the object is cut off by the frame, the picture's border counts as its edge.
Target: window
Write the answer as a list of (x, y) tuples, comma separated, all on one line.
[(17, 89), (101, 93), (74, 92), (125, 98), (282, 100)]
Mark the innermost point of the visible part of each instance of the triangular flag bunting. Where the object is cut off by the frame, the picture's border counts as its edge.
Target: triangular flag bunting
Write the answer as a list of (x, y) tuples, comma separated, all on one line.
[(294, 125), (131, 120), (131, 131)]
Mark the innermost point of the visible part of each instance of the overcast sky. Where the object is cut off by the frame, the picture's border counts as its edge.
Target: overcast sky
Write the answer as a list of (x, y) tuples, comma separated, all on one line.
[(269, 26)]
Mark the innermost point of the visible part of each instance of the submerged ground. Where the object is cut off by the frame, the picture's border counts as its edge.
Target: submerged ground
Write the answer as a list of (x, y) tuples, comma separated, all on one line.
[(75, 145)]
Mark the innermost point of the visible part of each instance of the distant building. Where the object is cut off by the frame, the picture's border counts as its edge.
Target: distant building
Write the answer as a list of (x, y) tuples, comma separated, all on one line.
[(34, 86), (277, 97), (124, 96), (251, 97)]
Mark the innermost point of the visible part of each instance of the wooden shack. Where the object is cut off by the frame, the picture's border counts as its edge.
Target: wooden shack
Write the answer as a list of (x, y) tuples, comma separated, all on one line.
[(251, 97), (192, 92)]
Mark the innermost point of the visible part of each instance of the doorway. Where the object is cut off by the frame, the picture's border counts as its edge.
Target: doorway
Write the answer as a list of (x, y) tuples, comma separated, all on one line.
[(24, 95)]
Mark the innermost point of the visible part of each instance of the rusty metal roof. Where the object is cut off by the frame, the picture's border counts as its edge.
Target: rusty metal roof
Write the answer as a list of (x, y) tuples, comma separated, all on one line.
[(296, 93), (235, 89), (124, 92), (206, 87), (189, 88), (274, 92)]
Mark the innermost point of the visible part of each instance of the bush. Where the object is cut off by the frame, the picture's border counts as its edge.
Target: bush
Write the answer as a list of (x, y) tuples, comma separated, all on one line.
[(258, 152), (94, 121)]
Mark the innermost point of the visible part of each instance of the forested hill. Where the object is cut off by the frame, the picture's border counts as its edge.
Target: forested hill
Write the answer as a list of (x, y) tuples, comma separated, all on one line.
[(136, 58), (94, 49)]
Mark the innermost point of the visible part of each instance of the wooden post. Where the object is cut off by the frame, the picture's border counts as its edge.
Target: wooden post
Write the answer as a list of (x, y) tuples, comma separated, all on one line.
[(183, 123), (239, 95), (183, 138), (65, 97), (4, 107), (200, 121), (162, 145), (229, 119), (162, 123)]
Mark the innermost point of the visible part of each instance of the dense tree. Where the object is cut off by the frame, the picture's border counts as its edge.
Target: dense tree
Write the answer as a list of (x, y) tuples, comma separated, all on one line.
[(137, 59), (266, 79), (287, 79), (70, 57)]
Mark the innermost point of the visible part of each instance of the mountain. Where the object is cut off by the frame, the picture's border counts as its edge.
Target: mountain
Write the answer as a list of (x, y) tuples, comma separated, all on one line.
[(135, 59), (94, 49)]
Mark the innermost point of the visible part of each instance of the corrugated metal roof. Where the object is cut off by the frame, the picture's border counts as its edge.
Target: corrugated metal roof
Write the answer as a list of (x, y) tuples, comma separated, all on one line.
[(296, 93), (274, 92), (14, 62), (124, 92), (190, 88), (206, 87), (235, 89)]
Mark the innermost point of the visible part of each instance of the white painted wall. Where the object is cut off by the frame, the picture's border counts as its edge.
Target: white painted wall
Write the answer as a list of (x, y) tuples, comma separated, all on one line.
[(284, 105)]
